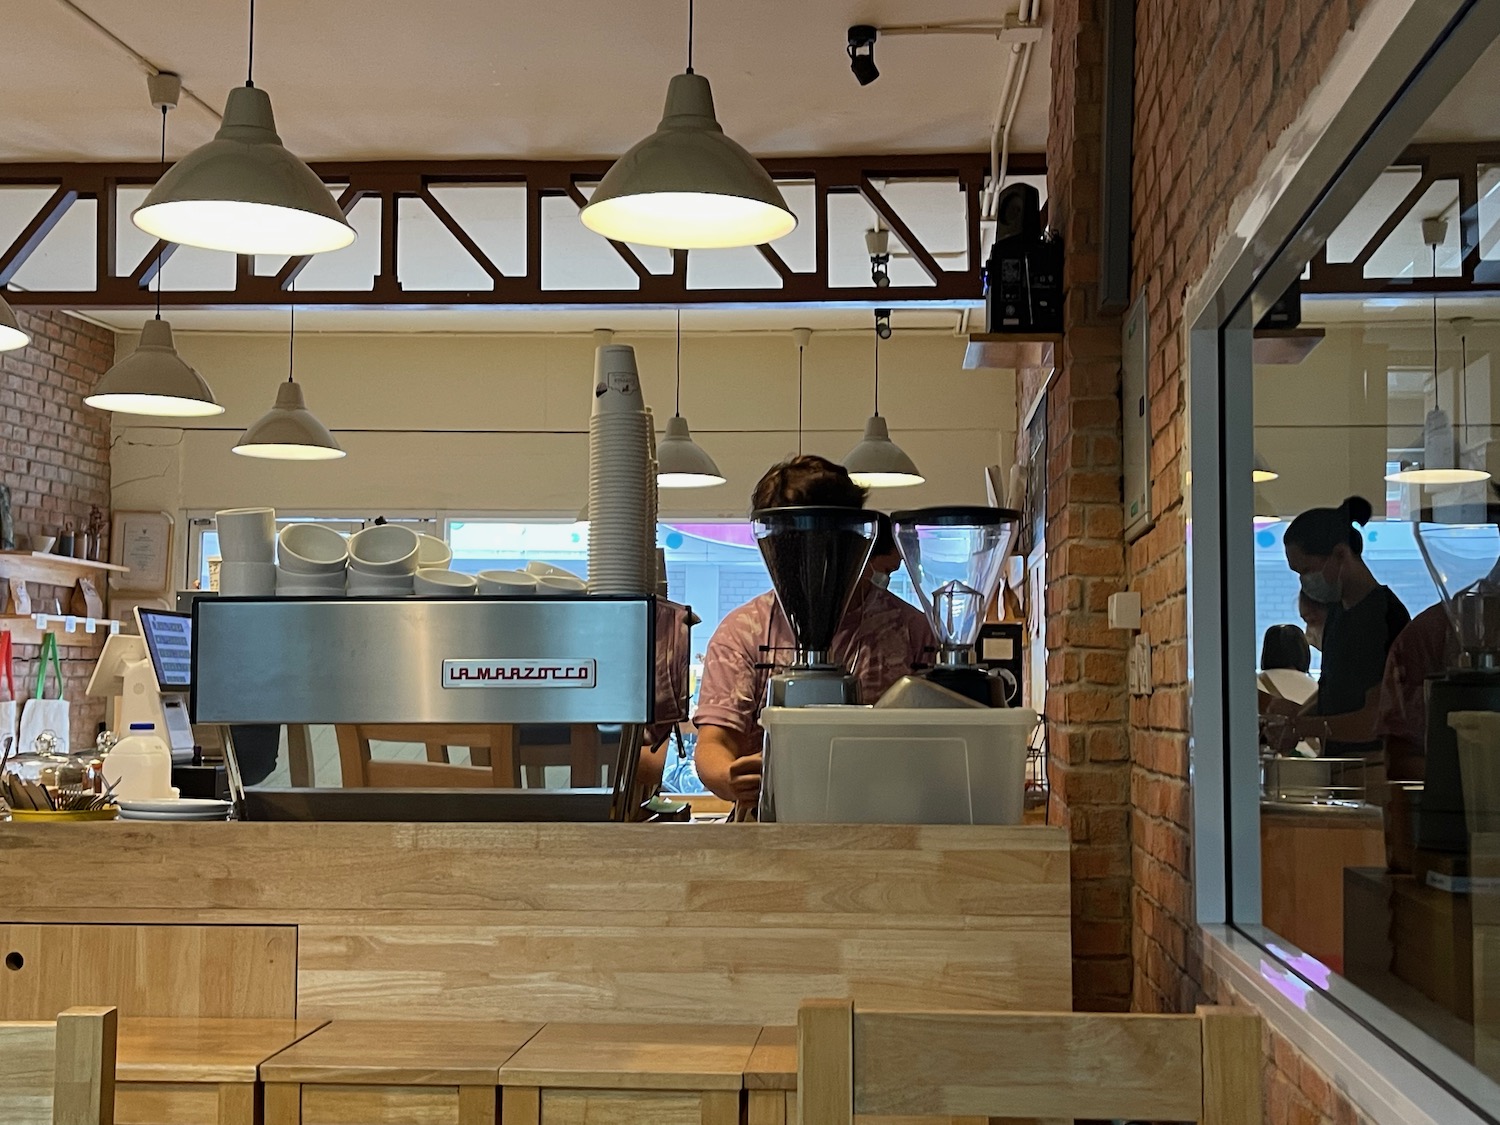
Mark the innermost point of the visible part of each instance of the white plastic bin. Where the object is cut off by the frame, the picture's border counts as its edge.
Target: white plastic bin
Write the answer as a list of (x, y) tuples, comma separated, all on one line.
[(862, 765)]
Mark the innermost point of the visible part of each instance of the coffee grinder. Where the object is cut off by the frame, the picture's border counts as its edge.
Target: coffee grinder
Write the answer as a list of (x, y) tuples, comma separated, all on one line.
[(955, 556), (815, 556)]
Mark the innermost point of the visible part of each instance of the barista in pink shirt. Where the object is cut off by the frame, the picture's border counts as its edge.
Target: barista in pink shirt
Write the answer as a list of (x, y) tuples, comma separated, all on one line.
[(880, 639)]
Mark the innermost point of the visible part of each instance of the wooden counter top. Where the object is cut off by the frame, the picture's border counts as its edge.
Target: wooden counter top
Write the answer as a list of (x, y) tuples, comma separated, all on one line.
[(1291, 815), (150, 1049), (634, 1057), (404, 1053), (560, 922)]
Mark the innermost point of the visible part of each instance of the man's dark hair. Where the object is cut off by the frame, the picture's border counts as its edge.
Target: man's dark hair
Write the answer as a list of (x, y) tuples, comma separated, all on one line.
[(885, 537), (807, 480)]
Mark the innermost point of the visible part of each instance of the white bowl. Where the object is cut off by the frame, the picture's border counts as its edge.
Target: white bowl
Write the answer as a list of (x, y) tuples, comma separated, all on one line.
[(246, 534), (247, 579), (541, 569), (387, 549), (557, 586), (445, 583), (43, 544), (309, 591), (432, 553), (508, 583), (311, 549), (333, 582)]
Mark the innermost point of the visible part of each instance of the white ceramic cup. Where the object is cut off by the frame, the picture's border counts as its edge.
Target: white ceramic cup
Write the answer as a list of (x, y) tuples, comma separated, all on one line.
[(247, 579), (387, 549), (247, 534), (507, 583), (312, 549), (557, 586), (439, 583), (432, 553)]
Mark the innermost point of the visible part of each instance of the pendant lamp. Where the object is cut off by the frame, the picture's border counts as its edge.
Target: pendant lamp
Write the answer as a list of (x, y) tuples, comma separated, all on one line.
[(1263, 471), (877, 461), (244, 191), (289, 431), (688, 186), (680, 461), (155, 380), (12, 335), (1441, 448)]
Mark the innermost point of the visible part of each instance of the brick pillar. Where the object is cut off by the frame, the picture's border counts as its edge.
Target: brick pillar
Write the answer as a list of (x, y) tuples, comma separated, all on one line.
[(54, 455), (1086, 702)]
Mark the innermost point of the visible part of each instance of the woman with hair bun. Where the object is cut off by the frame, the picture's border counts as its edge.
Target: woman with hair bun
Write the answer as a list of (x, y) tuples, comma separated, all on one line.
[(1325, 547)]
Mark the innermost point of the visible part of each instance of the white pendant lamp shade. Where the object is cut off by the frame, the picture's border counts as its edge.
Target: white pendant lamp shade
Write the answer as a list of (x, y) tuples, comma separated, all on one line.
[(878, 462), (289, 431), (245, 192), (681, 462), (1263, 471), (155, 380), (687, 185), (1440, 464), (11, 334)]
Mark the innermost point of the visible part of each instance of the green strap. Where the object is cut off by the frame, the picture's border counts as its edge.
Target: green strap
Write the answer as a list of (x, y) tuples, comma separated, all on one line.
[(49, 658)]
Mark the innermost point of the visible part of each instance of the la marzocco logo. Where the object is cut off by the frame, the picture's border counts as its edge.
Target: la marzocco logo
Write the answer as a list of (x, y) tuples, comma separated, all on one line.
[(519, 673)]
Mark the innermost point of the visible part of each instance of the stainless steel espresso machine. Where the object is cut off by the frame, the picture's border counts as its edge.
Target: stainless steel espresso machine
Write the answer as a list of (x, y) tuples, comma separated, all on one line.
[(618, 663), (955, 556)]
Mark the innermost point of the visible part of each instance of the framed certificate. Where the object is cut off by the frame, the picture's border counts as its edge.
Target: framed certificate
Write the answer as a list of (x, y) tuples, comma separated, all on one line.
[(141, 541)]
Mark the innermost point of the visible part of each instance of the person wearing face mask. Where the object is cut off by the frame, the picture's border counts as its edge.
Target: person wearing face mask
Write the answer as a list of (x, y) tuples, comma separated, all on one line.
[(885, 558), (1325, 548), (1314, 616)]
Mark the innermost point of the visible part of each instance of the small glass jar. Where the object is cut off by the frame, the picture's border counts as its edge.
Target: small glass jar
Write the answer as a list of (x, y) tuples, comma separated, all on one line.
[(36, 778)]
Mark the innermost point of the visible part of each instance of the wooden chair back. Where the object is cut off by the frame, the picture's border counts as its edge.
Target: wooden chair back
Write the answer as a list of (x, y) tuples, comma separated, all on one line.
[(59, 1073), (492, 749), (1204, 1067)]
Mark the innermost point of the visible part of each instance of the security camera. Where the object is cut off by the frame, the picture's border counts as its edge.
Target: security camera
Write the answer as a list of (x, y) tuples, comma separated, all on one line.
[(878, 246), (883, 323), (862, 53)]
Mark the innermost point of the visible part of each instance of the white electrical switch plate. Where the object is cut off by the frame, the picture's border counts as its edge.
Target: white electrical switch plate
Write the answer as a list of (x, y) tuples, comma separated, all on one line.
[(1125, 610)]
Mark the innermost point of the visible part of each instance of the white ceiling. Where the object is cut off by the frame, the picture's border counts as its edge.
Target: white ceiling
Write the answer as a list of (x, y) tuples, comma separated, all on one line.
[(454, 78)]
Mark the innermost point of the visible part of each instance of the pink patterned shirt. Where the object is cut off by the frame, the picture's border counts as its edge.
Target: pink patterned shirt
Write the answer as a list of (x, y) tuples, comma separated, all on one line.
[(880, 640)]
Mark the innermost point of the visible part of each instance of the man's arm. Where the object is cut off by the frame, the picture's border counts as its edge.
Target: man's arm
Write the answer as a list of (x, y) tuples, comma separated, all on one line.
[(724, 767)]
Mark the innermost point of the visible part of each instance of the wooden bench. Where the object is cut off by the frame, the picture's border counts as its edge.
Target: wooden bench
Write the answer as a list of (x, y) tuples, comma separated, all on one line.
[(388, 1071), (201, 1071), (628, 1074), (59, 1072), (1204, 1067)]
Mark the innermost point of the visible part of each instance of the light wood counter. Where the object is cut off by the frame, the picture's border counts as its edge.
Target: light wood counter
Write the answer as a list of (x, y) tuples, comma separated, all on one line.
[(195, 1070), (1304, 852), (548, 923)]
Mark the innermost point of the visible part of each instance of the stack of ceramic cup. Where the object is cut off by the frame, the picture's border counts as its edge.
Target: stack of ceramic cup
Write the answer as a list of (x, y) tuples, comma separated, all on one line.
[(247, 550), (620, 477), (310, 562), (383, 561)]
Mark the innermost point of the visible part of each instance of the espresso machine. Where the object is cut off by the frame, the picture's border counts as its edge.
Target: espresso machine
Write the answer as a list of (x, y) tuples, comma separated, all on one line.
[(955, 556), (1464, 561), (815, 556)]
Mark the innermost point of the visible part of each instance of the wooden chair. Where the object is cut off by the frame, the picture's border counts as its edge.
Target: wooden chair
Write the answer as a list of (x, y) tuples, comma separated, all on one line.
[(493, 745), (1204, 1067), (59, 1073)]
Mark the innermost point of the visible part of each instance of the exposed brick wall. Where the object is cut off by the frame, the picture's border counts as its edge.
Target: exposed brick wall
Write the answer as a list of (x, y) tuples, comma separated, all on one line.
[(54, 452), (1085, 707)]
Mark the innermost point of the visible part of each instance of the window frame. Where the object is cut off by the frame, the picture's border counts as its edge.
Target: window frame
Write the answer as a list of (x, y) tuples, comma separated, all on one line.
[(1403, 60)]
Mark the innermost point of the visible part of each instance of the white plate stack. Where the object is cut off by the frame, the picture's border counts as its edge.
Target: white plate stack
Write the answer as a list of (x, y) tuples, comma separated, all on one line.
[(620, 478), (177, 808), (247, 550)]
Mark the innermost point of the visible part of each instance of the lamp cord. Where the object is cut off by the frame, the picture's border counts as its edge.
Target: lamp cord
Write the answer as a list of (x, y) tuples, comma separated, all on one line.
[(877, 372), (690, 37), (1461, 405), (799, 400), (162, 265), (1437, 399), (250, 60), (679, 363), (291, 339)]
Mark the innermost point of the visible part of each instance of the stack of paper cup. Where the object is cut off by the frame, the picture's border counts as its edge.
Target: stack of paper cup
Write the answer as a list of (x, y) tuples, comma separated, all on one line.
[(247, 548), (619, 464)]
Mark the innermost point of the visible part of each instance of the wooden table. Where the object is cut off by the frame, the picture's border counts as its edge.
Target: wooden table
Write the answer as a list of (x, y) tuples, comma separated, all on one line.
[(628, 1074), (195, 1071), (378, 1071)]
